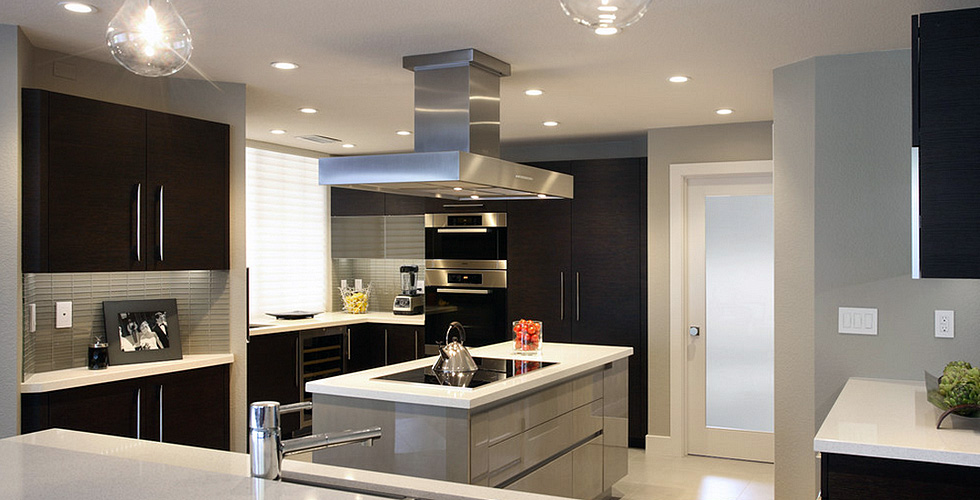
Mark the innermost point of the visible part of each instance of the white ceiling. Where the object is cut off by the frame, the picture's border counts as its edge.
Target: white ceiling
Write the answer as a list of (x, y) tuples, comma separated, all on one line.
[(350, 55)]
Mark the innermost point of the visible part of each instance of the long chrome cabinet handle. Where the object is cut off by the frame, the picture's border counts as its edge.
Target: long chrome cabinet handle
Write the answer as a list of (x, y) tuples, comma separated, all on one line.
[(161, 413), (348, 344), (416, 344), (470, 291), (578, 298), (562, 288), (386, 347), (298, 359), (139, 221), (139, 396), (160, 223)]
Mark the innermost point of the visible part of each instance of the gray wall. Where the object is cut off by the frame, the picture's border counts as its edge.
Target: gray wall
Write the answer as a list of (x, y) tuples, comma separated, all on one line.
[(844, 124), (12, 58), (709, 143), (793, 193)]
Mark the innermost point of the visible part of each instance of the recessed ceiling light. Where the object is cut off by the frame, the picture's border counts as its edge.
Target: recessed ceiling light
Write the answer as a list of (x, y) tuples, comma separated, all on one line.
[(277, 131), (724, 111), (550, 123), (608, 8), (404, 132), (308, 111), (284, 65), (533, 92), (78, 7), (457, 189), (679, 79), (542, 195), (475, 196), (348, 145), (606, 30)]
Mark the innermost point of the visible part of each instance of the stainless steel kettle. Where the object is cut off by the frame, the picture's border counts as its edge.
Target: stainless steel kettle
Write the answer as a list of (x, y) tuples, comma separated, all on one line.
[(453, 357)]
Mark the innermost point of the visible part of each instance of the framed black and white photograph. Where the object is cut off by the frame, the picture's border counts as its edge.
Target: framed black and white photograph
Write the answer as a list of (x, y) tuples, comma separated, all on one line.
[(142, 330)]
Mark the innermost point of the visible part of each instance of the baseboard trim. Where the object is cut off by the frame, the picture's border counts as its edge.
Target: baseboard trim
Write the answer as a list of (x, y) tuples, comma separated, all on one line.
[(666, 446)]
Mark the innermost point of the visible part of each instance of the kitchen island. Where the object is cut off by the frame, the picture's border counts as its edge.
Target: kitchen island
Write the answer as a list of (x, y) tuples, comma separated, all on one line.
[(58, 463), (880, 441), (558, 425)]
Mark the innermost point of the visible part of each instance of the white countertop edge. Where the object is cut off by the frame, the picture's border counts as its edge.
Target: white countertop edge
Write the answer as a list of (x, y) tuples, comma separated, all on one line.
[(360, 385), (329, 319), (897, 453), (82, 376)]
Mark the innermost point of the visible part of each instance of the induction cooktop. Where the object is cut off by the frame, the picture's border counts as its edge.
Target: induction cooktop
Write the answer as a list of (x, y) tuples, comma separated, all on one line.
[(490, 370)]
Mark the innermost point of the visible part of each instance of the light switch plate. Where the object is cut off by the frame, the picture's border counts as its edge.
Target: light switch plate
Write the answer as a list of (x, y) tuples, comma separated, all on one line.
[(944, 324), (857, 320), (62, 314)]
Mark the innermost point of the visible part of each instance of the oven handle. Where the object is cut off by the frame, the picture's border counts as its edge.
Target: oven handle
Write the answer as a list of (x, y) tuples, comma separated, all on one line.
[(471, 291), (461, 230)]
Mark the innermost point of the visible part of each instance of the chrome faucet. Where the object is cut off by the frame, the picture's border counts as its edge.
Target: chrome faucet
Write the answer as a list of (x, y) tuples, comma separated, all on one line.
[(267, 449)]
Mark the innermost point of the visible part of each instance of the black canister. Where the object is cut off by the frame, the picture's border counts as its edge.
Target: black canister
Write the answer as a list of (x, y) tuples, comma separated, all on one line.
[(98, 356)]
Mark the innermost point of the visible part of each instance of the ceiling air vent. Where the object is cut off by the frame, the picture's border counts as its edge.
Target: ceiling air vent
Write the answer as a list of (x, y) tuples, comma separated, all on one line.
[(319, 139)]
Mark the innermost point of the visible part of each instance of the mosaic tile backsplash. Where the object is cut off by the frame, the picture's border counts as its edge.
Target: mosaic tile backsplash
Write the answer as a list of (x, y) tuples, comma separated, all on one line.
[(382, 274), (203, 304)]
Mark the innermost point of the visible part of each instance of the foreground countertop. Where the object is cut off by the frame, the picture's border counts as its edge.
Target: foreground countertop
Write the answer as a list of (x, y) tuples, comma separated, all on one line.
[(268, 324), (572, 359), (893, 419), (78, 377), (58, 463)]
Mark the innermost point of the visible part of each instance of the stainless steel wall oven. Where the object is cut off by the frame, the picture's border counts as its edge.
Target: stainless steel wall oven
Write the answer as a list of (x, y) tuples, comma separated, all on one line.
[(466, 277)]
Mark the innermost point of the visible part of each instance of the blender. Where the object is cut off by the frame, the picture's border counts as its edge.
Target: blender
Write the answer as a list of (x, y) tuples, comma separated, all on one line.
[(410, 301)]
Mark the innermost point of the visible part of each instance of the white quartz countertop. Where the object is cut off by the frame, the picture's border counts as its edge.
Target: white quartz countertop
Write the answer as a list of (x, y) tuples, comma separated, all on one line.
[(78, 377), (57, 463), (572, 360), (893, 419), (326, 320)]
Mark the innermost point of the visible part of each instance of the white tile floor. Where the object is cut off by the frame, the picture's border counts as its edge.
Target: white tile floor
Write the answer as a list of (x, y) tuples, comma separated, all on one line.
[(693, 478)]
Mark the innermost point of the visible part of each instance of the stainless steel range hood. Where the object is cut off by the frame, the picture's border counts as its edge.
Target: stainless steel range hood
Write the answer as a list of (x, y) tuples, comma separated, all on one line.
[(457, 140)]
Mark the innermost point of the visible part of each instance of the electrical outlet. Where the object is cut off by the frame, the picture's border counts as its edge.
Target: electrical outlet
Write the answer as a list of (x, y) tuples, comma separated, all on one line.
[(62, 314), (944, 324)]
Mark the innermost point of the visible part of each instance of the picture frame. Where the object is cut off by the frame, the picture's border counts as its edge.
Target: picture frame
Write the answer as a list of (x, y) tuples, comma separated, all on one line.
[(140, 331)]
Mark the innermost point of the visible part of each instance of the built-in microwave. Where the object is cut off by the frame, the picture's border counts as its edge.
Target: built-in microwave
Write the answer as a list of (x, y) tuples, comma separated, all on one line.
[(468, 237)]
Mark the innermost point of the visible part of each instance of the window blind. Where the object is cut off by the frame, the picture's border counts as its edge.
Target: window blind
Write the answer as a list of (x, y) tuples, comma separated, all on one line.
[(286, 233)]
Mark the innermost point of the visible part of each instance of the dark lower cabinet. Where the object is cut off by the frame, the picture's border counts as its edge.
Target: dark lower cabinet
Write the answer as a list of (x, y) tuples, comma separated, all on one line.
[(189, 407), (274, 374), (403, 343), (365, 347), (580, 265), (850, 477)]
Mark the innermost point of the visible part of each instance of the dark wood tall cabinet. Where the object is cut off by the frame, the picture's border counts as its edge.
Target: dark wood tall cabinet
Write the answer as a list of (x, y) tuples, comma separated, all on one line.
[(108, 187), (580, 265), (946, 129)]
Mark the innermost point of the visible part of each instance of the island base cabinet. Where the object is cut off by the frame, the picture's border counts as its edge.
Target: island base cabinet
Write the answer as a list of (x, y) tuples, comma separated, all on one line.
[(575, 475), (850, 477)]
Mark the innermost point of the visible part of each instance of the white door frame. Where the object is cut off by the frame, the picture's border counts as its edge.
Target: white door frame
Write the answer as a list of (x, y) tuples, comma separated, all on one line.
[(676, 443)]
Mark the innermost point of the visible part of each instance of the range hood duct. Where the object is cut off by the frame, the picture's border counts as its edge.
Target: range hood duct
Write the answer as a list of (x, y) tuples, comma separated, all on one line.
[(457, 140)]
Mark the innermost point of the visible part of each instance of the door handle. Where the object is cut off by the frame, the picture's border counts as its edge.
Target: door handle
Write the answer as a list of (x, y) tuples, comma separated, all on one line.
[(139, 218), (561, 287), (471, 291), (694, 331), (160, 224), (578, 298), (139, 397), (386, 347), (348, 344), (161, 413), (416, 344)]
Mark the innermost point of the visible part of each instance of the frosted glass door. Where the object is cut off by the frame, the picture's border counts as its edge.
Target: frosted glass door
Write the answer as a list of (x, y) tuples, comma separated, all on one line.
[(729, 312), (738, 274)]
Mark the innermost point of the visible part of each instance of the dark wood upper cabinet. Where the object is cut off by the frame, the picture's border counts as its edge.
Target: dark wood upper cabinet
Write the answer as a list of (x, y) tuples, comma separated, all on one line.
[(93, 175), (187, 174), (345, 202), (946, 129)]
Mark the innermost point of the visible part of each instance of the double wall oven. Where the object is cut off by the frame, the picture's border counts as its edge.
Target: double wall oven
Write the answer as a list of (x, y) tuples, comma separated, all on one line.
[(466, 277)]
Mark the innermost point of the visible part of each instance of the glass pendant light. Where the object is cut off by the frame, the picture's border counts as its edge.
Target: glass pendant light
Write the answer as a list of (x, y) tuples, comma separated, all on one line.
[(149, 38), (605, 17)]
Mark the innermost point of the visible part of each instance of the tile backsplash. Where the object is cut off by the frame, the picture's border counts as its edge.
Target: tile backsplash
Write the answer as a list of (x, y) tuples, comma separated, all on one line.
[(382, 274), (203, 303)]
